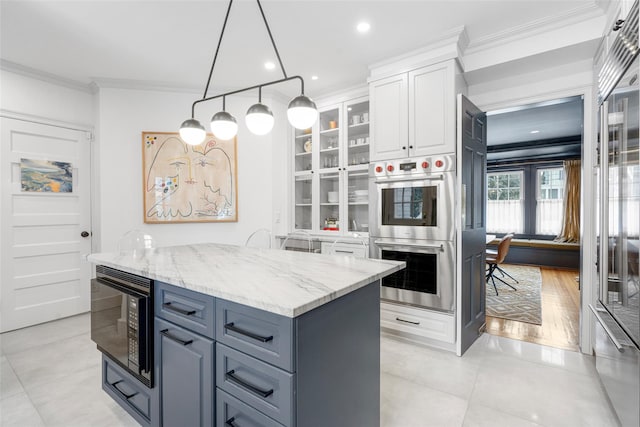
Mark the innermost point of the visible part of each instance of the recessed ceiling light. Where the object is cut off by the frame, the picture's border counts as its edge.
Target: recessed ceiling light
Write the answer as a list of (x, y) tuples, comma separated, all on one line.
[(314, 77), (363, 27), (349, 108), (535, 131), (269, 65)]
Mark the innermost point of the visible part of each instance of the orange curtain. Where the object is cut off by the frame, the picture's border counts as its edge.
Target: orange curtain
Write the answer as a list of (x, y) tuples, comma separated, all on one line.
[(571, 221)]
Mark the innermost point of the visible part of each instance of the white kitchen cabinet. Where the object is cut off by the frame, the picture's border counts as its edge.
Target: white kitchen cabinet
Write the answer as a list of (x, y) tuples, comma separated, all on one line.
[(331, 161), (413, 113), (389, 117)]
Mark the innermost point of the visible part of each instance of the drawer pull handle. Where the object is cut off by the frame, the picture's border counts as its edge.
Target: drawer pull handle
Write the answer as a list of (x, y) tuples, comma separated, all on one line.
[(407, 321), (241, 331), (166, 333), (230, 421), (168, 306), (231, 377), (340, 251), (125, 395)]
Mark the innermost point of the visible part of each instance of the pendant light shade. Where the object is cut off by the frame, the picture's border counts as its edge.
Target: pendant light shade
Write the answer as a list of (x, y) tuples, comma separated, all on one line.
[(224, 125), (302, 112), (192, 132), (259, 119)]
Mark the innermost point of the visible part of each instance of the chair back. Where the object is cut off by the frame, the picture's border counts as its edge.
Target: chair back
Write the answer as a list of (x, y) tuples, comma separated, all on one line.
[(299, 240), (503, 248), (261, 238)]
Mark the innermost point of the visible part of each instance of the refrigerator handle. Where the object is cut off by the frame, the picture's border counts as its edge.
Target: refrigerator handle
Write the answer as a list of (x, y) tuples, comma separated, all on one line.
[(596, 312)]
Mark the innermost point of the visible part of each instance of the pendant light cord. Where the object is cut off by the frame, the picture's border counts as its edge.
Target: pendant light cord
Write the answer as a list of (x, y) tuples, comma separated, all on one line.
[(215, 57), (266, 24)]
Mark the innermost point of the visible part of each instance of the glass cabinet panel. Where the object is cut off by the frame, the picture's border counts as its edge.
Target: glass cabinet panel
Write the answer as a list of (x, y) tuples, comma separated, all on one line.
[(303, 202), (358, 201), (357, 134), (303, 146), (330, 201), (329, 122)]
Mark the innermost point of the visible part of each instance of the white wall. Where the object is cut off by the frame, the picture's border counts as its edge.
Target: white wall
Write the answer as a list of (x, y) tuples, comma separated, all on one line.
[(39, 98), (124, 113)]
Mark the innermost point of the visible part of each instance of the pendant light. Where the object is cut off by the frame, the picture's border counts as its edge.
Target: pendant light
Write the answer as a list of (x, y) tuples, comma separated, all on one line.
[(259, 118), (301, 113), (192, 132), (223, 125)]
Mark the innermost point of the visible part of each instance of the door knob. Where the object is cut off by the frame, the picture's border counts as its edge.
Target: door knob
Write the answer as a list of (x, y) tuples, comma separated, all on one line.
[(85, 234)]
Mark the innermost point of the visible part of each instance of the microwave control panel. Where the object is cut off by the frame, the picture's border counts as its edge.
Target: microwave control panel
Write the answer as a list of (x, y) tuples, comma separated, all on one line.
[(414, 167)]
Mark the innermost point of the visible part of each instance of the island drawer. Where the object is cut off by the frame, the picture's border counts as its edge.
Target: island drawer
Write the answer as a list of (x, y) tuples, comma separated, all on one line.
[(130, 393), (192, 310), (233, 412), (265, 335), (264, 387)]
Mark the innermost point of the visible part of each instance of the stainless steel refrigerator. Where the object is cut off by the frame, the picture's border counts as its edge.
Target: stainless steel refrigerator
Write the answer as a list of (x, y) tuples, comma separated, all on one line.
[(617, 312)]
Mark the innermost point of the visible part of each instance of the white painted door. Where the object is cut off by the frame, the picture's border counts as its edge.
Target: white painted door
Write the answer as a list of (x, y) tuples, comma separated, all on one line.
[(44, 273)]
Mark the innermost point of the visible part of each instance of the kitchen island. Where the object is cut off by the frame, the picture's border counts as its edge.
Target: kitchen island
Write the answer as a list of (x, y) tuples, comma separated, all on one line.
[(255, 337)]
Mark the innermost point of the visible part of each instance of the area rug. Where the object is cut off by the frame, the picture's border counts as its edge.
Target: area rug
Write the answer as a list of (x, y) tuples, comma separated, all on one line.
[(522, 305)]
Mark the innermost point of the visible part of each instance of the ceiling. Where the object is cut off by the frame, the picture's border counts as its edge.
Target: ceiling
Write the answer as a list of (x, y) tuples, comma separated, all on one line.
[(172, 42)]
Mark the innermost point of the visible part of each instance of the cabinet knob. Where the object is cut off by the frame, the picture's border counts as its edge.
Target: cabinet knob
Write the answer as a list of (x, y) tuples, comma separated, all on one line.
[(411, 147), (404, 147)]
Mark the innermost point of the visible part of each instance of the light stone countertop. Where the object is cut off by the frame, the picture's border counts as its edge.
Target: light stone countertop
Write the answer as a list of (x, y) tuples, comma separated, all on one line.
[(282, 282)]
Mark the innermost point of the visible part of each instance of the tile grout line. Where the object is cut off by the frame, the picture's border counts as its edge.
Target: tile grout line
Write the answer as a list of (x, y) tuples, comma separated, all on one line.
[(24, 390)]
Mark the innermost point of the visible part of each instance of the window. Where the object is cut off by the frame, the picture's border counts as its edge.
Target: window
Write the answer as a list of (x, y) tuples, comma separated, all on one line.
[(505, 207), (549, 201)]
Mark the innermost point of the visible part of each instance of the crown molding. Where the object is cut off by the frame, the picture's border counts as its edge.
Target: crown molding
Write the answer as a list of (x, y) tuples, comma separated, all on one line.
[(108, 83), (44, 76), (590, 10), (449, 45)]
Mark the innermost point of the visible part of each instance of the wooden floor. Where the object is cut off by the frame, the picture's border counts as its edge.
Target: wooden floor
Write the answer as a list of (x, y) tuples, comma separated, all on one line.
[(560, 314)]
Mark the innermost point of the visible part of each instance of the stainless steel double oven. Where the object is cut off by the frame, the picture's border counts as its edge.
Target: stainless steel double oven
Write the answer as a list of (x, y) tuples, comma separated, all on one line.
[(412, 220)]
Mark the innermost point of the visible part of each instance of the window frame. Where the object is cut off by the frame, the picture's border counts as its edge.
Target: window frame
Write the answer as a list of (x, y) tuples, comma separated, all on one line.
[(529, 194)]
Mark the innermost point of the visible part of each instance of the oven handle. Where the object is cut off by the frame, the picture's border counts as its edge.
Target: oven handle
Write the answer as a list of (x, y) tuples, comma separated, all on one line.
[(383, 243), (410, 178)]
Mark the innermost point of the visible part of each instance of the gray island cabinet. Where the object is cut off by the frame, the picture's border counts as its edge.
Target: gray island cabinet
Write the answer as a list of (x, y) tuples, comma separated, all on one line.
[(266, 338)]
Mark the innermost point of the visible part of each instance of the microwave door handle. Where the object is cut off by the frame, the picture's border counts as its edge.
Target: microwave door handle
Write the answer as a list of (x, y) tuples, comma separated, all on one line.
[(607, 330), (119, 287)]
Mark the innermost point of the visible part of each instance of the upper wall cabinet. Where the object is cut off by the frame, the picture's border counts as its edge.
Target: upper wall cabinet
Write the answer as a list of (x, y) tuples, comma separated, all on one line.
[(413, 114)]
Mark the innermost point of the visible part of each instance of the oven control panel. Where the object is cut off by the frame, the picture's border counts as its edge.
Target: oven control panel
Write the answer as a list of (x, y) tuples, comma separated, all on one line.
[(415, 167)]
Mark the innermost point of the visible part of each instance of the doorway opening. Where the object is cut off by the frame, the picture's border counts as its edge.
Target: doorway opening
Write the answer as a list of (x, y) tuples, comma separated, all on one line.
[(534, 153)]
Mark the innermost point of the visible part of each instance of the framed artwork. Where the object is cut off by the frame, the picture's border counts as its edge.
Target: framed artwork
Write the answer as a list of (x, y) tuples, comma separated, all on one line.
[(44, 176), (187, 183)]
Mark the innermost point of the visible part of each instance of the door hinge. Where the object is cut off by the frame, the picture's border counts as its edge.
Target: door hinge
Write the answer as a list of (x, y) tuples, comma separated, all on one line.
[(90, 136)]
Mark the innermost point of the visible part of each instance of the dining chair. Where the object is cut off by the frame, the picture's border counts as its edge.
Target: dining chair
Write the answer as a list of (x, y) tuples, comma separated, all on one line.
[(493, 262), (261, 238), (298, 236)]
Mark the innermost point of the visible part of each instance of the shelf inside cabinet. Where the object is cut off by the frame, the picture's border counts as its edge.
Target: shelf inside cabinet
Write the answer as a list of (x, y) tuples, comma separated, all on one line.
[(326, 131), (329, 204), (303, 153), (326, 150), (303, 204), (355, 146), (359, 125), (304, 135)]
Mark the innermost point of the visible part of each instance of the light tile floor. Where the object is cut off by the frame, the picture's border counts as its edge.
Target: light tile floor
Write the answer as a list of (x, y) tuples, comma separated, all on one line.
[(50, 376)]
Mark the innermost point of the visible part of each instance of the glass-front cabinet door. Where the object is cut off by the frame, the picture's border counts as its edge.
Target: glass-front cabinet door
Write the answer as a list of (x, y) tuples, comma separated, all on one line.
[(357, 133), (303, 199), (330, 196), (303, 150)]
